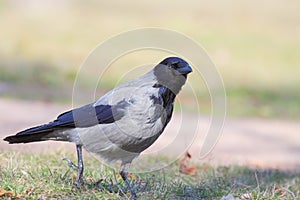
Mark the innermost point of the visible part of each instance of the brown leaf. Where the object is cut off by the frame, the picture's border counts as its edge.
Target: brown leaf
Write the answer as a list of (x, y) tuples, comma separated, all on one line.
[(6, 193), (185, 167), (279, 190)]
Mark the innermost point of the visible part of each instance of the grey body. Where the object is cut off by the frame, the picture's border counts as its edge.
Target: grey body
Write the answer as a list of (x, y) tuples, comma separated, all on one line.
[(125, 138)]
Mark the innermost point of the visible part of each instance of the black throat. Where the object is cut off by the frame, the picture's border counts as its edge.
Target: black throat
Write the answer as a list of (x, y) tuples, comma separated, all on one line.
[(165, 98)]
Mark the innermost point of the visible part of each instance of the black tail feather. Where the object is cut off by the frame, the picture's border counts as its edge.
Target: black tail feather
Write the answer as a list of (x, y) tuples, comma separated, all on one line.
[(34, 134), (36, 137)]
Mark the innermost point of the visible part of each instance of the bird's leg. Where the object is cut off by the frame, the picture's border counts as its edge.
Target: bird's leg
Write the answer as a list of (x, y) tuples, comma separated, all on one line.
[(79, 178), (124, 174), (79, 168)]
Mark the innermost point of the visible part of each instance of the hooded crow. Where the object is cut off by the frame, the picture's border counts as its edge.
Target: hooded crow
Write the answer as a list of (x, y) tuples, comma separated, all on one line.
[(122, 123)]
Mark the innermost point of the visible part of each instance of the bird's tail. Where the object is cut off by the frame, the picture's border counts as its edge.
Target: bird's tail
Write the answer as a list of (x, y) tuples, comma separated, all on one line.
[(35, 134), (25, 138)]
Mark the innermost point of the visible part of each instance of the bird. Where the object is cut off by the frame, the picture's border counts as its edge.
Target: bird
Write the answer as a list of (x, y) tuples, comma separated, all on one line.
[(120, 124)]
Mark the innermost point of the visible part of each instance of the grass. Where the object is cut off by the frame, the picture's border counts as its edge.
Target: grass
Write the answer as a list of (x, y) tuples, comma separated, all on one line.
[(46, 176)]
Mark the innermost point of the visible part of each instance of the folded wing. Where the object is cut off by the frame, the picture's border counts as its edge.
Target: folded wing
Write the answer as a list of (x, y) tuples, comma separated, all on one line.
[(82, 117)]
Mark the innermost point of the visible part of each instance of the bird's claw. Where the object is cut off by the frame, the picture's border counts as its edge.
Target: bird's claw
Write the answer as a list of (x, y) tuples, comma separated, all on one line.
[(70, 163), (79, 183)]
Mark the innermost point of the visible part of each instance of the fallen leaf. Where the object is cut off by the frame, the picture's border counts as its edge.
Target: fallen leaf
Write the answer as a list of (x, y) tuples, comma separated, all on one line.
[(6, 193), (185, 167), (279, 190)]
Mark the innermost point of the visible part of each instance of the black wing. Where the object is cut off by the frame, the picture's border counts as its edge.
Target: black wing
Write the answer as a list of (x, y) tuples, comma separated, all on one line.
[(85, 116)]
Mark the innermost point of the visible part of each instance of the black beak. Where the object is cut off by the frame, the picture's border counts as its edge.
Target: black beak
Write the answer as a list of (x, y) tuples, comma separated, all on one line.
[(185, 70)]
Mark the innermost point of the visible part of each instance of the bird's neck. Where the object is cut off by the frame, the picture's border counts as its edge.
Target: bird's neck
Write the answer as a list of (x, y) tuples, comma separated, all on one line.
[(167, 96)]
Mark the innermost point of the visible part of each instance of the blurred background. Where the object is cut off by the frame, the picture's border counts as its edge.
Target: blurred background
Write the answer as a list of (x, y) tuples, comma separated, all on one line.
[(254, 44)]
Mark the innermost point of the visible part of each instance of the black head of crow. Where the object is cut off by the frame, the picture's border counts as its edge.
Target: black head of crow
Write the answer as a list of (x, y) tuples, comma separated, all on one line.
[(120, 124), (172, 73)]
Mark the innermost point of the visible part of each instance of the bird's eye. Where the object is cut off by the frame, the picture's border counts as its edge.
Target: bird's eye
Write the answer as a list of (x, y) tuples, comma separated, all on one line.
[(175, 65)]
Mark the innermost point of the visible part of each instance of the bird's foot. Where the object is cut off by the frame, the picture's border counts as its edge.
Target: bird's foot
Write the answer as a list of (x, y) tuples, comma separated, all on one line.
[(79, 183), (133, 194), (129, 186), (79, 180), (71, 164)]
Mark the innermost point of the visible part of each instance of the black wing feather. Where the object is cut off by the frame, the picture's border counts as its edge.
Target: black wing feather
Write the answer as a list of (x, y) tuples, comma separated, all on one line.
[(85, 116)]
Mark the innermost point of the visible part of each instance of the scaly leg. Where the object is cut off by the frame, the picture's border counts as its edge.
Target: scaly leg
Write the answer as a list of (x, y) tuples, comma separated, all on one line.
[(124, 174), (79, 168)]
